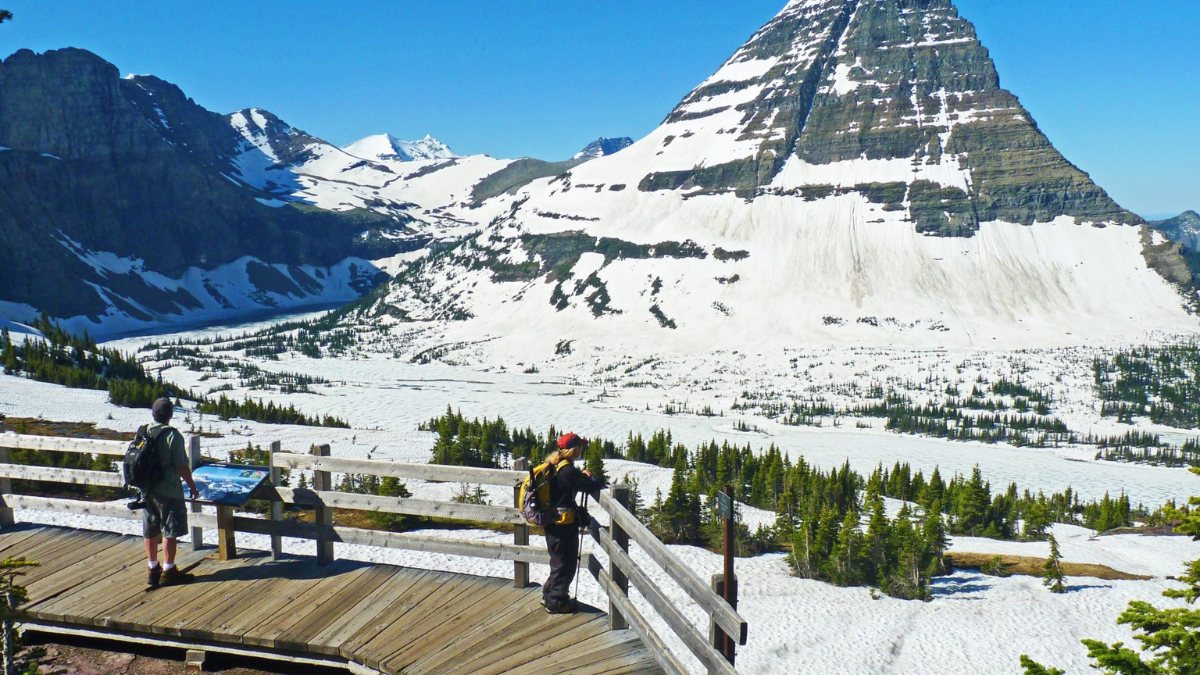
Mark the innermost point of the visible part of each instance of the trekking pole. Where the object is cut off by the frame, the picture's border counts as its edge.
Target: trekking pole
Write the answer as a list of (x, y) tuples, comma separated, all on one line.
[(579, 551)]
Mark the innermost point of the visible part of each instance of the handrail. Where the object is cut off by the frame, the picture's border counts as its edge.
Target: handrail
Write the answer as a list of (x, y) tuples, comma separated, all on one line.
[(678, 624), (623, 571), (724, 615), (60, 444), (377, 467), (520, 552)]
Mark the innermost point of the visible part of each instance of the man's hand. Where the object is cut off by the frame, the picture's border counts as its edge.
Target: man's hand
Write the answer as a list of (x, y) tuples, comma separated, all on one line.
[(587, 473)]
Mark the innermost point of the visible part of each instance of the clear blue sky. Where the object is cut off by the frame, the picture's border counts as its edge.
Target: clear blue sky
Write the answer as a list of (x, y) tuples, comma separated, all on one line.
[(1113, 83)]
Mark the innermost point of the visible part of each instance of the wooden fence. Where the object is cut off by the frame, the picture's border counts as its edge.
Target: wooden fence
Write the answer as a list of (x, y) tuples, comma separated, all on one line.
[(614, 539)]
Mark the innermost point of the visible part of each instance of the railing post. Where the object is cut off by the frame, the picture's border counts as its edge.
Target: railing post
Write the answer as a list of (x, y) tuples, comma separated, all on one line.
[(520, 532), (720, 641), (323, 481), (276, 505), (6, 513), (194, 463), (226, 536), (616, 621)]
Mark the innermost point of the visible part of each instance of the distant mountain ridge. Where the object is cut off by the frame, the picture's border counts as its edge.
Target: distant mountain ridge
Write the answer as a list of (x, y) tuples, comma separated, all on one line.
[(388, 147), (1184, 228), (854, 173), (603, 146), (145, 208)]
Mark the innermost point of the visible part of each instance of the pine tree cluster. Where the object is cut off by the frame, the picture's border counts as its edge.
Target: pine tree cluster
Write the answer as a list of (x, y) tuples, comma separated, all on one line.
[(248, 409)]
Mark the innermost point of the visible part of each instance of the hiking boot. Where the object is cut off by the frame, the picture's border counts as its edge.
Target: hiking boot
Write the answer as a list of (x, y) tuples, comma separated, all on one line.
[(155, 576), (567, 607), (176, 576)]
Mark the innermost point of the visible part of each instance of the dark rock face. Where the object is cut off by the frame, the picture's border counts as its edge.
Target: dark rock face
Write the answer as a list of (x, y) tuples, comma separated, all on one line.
[(884, 80), (132, 167), (1184, 228), (604, 146)]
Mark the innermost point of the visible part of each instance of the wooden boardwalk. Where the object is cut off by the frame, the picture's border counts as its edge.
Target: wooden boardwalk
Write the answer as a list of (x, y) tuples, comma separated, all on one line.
[(350, 614)]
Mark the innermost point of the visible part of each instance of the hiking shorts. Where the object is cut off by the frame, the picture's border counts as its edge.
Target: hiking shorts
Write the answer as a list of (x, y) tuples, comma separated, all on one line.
[(164, 517)]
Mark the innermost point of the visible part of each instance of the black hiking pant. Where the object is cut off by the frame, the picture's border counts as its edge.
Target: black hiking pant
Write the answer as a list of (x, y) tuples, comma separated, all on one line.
[(563, 544)]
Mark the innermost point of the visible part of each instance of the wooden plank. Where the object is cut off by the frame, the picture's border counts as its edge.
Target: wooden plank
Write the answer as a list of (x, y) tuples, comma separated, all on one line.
[(61, 444), (47, 552), (692, 638), (419, 592), (341, 575), (554, 638), (670, 664), (377, 467), (67, 572), (12, 542), (466, 644), (611, 648), (304, 634), (102, 509), (537, 627), (413, 507), (52, 474), (493, 598), (76, 605), (72, 580), (380, 538), (240, 592), (345, 624), (439, 608), (714, 605), (168, 609)]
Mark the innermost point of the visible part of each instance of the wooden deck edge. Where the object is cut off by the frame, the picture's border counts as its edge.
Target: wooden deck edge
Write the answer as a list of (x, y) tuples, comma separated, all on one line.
[(157, 640)]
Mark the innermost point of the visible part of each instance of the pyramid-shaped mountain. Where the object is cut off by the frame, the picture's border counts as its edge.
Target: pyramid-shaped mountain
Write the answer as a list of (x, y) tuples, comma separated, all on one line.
[(854, 173)]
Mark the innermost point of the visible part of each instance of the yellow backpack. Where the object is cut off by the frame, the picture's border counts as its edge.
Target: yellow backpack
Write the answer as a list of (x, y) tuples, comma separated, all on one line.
[(535, 496)]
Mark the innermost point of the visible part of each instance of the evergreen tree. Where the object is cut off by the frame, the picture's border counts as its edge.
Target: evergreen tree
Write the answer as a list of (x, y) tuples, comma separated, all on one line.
[(848, 552), (12, 595), (595, 462), (5, 15), (1052, 575)]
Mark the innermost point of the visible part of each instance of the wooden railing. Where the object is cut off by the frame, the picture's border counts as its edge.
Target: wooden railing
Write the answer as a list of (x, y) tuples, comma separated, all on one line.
[(613, 539), (321, 497)]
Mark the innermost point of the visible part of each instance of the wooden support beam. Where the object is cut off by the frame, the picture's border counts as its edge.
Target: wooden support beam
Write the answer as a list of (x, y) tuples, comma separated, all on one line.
[(6, 512), (226, 539), (520, 530), (194, 460), (322, 481), (276, 506), (615, 621)]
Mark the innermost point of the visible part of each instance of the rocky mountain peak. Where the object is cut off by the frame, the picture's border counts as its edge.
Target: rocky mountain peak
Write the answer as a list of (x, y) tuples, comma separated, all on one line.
[(603, 146), (387, 147), (836, 94)]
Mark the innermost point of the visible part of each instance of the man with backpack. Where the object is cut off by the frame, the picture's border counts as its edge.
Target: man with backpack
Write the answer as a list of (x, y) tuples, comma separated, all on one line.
[(165, 513), (564, 521)]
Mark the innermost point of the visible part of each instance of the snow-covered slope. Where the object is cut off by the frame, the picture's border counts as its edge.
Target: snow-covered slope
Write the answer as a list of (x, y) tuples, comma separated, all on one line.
[(853, 175), (388, 147)]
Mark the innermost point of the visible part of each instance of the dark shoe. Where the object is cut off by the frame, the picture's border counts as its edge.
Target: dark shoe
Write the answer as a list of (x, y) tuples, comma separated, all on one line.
[(176, 576), (567, 607), (155, 576)]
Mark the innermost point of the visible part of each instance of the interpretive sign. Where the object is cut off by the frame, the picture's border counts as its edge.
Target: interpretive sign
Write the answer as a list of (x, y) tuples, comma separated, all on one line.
[(228, 484), (725, 506)]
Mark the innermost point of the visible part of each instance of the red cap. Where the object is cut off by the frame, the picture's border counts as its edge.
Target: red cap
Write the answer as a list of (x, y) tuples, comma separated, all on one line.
[(568, 441)]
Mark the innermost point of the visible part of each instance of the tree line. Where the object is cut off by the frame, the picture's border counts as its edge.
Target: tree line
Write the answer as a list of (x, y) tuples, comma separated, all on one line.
[(818, 514), (77, 361)]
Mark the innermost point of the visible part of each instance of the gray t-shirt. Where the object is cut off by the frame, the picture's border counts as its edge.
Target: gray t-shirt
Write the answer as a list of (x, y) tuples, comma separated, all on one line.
[(173, 455)]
